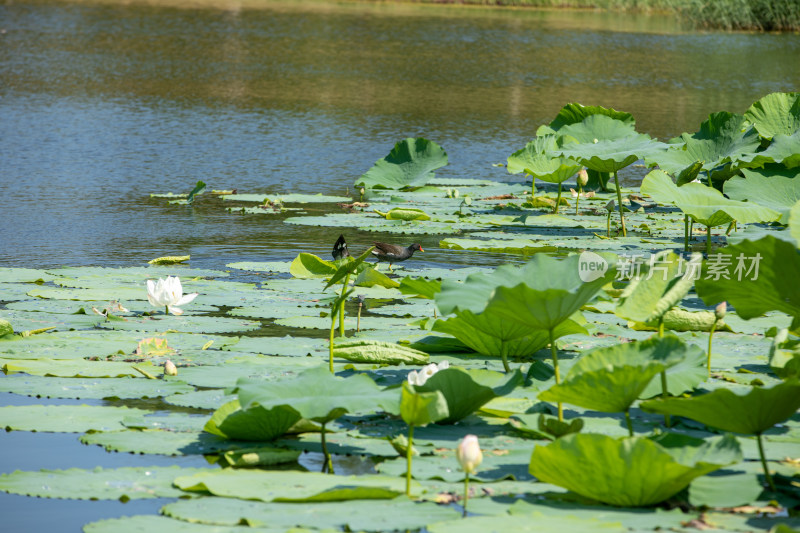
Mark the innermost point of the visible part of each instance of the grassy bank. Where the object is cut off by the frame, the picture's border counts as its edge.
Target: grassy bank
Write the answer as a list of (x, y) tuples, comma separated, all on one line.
[(760, 15)]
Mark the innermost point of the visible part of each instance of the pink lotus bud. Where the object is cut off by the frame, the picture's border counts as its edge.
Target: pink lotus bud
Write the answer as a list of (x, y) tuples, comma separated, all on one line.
[(720, 310), (469, 454), (583, 177)]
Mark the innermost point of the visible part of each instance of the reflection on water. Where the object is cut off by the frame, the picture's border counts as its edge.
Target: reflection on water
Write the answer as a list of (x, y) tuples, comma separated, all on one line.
[(103, 104)]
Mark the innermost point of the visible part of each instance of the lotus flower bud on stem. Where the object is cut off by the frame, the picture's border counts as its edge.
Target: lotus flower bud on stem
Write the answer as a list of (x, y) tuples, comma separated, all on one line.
[(583, 178), (170, 369), (469, 456), (720, 310)]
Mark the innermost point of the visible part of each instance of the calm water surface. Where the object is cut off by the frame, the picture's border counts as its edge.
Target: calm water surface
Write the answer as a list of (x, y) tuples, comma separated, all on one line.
[(101, 105)]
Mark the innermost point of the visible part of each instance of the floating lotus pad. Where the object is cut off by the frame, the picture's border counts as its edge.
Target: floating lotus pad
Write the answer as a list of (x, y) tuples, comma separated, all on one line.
[(163, 524), (83, 388), (397, 514), (161, 442), (134, 483), (75, 368), (293, 486), (183, 324), (64, 418), (286, 198)]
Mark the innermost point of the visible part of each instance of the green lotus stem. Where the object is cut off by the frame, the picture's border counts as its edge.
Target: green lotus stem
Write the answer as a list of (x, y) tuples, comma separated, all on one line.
[(578, 199), (628, 421), (466, 494), (358, 320), (408, 458), (166, 309), (341, 305), (619, 203), (608, 225), (711, 338), (504, 356), (731, 226), (767, 475), (533, 186), (558, 200), (708, 241), (664, 393), (554, 353), (327, 465), (686, 233), (333, 328)]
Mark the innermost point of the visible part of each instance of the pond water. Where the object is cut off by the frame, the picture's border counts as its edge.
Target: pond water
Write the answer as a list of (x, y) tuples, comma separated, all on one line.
[(103, 104)]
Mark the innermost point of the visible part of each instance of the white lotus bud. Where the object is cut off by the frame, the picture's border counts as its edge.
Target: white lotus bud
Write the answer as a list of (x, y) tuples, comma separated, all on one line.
[(720, 310), (469, 454), (583, 177)]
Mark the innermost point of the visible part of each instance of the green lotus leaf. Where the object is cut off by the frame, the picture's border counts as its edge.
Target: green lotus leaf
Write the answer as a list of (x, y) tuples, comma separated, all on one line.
[(777, 192), (605, 144), (575, 113), (379, 352), (78, 368), (256, 423), (134, 483), (369, 277), (161, 442), (285, 198), (784, 149), (467, 390), (611, 379), (310, 266), (404, 213), (794, 224), (677, 319), (64, 418), (82, 388), (730, 490), (5, 328), (443, 465), (705, 205), (410, 164), (491, 335), (784, 355), (163, 524), (724, 144), (289, 486), (773, 286), (397, 514), (533, 523), (633, 471), (347, 268), (537, 159), (651, 294), (775, 113), (318, 395), (750, 414), (551, 292), (422, 287), (421, 408)]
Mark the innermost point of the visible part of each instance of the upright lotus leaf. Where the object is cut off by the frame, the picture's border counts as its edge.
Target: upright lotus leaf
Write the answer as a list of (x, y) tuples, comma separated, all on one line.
[(777, 192), (550, 296), (794, 223), (784, 355), (724, 144), (604, 144), (199, 189), (631, 471), (705, 205), (751, 413), (491, 335), (467, 390), (419, 408), (754, 277), (307, 265), (650, 294), (610, 379), (538, 160), (254, 424), (369, 277), (575, 113), (410, 164), (343, 271), (404, 213), (422, 287), (775, 113), (784, 149)]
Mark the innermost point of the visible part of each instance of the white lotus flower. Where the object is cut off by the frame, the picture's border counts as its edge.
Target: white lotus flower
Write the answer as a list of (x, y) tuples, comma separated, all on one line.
[(168, 293), (419, 378), (469, 454)]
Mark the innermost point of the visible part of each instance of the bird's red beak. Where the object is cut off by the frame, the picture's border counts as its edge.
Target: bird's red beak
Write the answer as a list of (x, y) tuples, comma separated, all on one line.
[(420, 249)]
